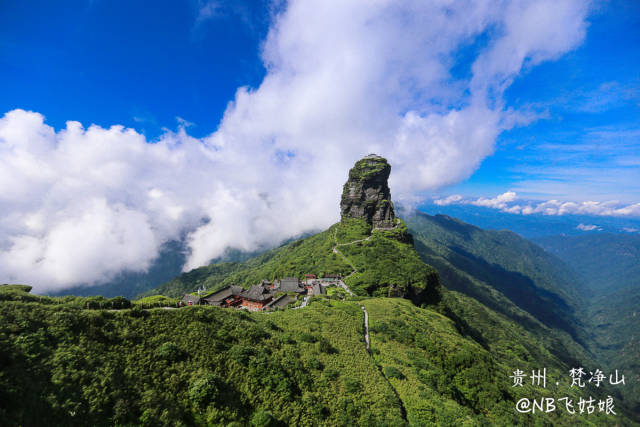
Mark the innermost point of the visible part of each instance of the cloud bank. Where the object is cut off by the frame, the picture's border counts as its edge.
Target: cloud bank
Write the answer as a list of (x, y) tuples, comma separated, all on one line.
[(509, 202), (420, 83)]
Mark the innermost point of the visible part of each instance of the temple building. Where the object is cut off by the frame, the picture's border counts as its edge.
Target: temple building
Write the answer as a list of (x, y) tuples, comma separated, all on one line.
[(261, 296)]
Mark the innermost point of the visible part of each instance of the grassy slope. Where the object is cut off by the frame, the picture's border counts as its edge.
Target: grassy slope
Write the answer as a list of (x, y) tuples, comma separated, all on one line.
[(387, 258), (64, 365), (616, 322), (310, 255), (448, 379), (206, 365), (504, 272)]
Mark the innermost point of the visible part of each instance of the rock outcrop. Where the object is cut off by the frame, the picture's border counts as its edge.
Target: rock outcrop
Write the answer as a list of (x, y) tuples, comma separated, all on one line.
[(366, 193)]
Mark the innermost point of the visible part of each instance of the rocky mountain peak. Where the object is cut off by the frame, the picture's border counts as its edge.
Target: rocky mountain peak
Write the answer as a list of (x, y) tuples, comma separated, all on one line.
[(366, 193)]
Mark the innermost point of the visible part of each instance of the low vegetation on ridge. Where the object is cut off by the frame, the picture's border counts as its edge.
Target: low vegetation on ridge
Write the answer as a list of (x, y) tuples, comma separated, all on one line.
[(386, 262)]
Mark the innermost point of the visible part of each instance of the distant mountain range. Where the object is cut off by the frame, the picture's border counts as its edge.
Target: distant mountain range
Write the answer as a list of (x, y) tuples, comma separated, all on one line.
[(609, 268), (479, 262), (535, 225)]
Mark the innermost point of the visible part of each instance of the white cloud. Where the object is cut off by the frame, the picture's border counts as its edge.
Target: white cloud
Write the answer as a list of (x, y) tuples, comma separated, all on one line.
[(631, 230), (498, 202), (511, 203), (343, 79), (450, 200), (588, 227)]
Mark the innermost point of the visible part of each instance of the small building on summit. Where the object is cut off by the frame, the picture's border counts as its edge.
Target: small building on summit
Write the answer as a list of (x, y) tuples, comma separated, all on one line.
[(264, 296), (226, 297), (256, 297)]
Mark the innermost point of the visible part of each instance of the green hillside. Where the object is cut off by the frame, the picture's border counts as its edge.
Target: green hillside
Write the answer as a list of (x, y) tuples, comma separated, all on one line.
[(605, 262), (521, 303), (402, 350), (534, 288), (502, 270), (67, 365), (382, 258)]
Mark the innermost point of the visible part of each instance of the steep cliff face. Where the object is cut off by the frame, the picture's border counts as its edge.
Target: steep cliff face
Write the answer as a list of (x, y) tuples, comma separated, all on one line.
[(366, 193)]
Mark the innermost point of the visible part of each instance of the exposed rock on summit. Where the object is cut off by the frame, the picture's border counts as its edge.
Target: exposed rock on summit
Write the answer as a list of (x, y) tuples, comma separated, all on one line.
[(366, 193)]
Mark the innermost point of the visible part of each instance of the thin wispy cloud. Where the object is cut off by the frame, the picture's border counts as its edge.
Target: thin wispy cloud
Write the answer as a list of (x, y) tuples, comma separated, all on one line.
[(600, 162), (207, 10), (607, 96)]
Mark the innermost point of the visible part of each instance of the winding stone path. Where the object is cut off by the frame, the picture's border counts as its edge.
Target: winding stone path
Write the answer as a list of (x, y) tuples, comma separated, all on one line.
[(367, 341), (366, 326)]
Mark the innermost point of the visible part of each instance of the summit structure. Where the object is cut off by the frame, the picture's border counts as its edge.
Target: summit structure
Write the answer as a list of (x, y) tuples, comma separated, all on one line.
[(366, 193)]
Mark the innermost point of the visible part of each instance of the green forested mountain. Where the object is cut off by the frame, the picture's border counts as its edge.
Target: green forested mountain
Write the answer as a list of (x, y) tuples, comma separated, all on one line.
[(485, 315), (63, 364), (447, 362), (501, 270), (605, 262), (382, 258), (594, 276), (609, 265), (433, 343)]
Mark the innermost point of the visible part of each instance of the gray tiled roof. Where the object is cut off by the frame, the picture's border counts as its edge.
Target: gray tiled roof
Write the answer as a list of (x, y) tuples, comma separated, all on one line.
[(289, 284), (224, 293), (257, 293), (280, 302), (191, 298), (220, 295)]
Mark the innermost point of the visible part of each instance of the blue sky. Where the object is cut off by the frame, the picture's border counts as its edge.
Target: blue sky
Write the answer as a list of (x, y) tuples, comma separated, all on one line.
[(126, 126), (122, 62), (589, 130)]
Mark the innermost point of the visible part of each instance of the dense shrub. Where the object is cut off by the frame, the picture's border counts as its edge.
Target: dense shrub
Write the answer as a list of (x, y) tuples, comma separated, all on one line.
[(393, 372)]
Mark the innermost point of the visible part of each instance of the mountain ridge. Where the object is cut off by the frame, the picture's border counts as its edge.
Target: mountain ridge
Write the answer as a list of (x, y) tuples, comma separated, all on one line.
[(431, 355)]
